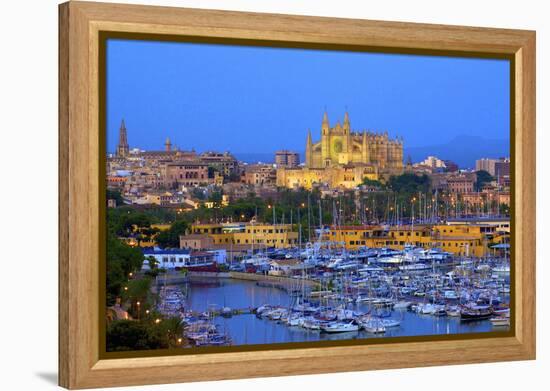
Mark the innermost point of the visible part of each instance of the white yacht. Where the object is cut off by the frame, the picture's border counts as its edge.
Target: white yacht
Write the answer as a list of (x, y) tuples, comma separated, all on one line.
[(372, 325), (340, 327)]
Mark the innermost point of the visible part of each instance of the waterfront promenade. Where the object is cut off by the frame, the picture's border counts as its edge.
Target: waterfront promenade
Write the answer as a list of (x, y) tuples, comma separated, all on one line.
[(281, 281)]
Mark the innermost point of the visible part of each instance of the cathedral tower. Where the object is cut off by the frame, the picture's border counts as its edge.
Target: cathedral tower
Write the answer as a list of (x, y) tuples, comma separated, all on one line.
[(122, 148), (167, 145), (365, 158), (325, 140), (309, 150), (346, 140)]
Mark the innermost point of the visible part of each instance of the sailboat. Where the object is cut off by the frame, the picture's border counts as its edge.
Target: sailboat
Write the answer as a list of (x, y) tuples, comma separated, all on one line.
[(371, 325), (340, 327)]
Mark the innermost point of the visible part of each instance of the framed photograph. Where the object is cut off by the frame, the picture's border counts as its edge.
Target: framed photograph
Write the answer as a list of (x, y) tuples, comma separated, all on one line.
[(248, 195)]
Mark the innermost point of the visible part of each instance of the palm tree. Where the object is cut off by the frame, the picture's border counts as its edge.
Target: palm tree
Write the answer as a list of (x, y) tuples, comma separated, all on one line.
[(137, 292), (173, 330)]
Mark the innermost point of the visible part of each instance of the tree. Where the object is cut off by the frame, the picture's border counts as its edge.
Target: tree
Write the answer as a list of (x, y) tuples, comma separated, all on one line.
[(125, 335), (137, 293), (138, 289), (197, 193), (125, 220), (482, 177), (172, 329), (408, 184), (504, 209), (234, 177), (373, 183), (121, 261), (216, 198), (115, 195), (171, 237)]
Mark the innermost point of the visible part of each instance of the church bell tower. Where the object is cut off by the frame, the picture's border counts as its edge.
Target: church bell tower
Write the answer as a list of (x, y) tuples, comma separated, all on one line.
[(122, 149), (325, 140)]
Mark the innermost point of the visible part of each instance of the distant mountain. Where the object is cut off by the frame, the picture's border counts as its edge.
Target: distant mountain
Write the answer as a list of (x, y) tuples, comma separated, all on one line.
[(463, 150)]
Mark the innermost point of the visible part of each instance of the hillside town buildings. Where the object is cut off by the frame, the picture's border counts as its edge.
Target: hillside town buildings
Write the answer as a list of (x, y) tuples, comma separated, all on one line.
[(341, 160), (498, 168)]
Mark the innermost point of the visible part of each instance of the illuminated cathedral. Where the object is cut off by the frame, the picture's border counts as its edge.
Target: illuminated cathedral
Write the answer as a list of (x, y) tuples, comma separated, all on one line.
[(344, 158)]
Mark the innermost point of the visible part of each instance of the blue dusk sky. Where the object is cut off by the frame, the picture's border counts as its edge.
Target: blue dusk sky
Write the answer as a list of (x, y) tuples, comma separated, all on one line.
[(258, 100)]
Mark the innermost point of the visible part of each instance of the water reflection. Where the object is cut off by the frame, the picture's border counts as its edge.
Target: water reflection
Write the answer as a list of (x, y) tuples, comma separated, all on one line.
[(248, 329)]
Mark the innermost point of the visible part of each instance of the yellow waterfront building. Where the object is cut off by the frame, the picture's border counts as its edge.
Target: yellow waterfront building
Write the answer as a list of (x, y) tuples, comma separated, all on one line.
[(465, 239), (248, 234)]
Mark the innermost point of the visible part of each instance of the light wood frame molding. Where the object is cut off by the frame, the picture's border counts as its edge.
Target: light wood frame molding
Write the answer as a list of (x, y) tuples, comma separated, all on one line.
[(80, 365)]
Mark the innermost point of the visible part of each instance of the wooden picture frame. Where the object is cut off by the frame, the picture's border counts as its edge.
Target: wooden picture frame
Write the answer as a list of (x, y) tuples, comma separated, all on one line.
[(80, 201)]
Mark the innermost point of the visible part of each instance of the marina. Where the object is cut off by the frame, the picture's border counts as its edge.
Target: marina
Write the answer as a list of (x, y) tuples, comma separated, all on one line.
[(356, 295)]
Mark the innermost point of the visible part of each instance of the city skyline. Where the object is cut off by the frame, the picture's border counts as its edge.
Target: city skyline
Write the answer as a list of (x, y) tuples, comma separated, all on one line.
[(445, 151), (146, 88)]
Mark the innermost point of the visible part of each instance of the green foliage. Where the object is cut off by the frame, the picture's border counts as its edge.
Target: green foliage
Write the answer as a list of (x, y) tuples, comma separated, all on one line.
[(124, 221), (216, 197), (138, 289), (409, 183), (171, 329), (373, 183), (115, 195), (504, 209), (234, 177), (153, 263), (121, 261), (197, 193), (126, 335), (171, 237), (482, 178)]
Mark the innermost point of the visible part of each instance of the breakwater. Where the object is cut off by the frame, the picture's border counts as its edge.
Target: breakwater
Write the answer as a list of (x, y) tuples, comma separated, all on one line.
[(271, 280), (171, 279), (263, 280)]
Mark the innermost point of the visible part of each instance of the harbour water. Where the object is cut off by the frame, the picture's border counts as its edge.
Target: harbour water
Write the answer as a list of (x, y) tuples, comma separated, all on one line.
[(246, 329)]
